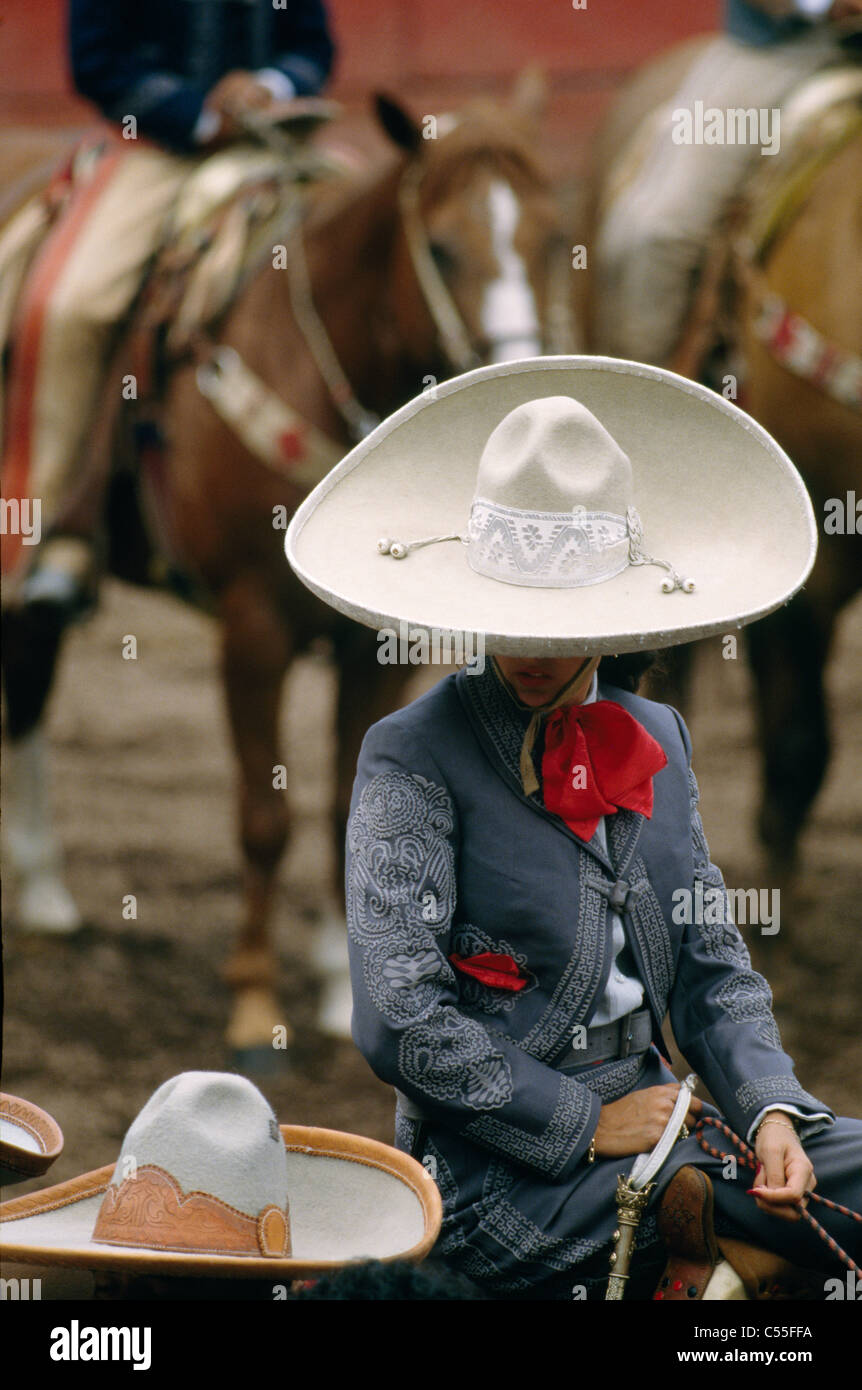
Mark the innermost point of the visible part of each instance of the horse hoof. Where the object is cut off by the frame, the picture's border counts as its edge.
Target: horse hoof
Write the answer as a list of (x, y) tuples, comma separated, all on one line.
[(257, 1039), (336, 1007), (46, 905), (330, 958)]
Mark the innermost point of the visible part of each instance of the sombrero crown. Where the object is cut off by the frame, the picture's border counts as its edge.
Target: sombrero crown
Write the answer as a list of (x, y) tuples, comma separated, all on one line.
[(203, 1168), (567, 479), (553, 505)]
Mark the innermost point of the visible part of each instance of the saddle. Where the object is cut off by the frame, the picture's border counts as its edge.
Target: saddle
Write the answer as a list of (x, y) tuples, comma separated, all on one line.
[(224, 221), (702, 1265), (232, 208), (821, 117)]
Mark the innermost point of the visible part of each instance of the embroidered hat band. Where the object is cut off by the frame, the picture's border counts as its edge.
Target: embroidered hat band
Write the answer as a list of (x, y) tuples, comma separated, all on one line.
[(554, 449)]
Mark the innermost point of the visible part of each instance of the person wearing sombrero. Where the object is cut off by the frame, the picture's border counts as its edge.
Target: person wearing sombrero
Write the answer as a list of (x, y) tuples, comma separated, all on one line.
[(525, 850)]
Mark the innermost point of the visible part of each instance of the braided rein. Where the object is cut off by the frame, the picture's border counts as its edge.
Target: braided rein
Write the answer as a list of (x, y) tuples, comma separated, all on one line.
[(749, 1159)]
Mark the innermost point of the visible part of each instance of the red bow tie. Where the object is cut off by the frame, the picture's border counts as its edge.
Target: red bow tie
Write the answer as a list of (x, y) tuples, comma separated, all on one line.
[(597, 758)]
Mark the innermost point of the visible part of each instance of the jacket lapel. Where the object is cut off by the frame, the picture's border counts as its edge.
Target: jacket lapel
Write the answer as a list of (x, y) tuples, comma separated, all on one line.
[(500, 725)]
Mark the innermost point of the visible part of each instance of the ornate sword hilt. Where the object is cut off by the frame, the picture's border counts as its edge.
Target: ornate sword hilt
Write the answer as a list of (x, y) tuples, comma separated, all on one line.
[(631, 1205), (633, 1192)]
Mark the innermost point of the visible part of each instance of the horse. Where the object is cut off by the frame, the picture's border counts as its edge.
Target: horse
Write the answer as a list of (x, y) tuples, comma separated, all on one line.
[(811, 267), (436, 261)]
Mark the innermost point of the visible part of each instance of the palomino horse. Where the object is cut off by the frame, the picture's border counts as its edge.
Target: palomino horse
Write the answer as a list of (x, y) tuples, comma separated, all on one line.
[(439, 262), (811, 268)]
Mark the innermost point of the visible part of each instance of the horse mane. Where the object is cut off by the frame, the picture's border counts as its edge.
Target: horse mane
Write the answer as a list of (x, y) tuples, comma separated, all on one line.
[(485, 132)]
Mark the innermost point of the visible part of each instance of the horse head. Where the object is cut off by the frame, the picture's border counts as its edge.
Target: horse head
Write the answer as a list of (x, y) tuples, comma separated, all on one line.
[(480, 232)]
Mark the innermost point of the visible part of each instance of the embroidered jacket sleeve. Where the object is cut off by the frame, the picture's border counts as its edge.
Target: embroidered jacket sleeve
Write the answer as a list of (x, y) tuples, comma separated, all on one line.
[(766, 22), (402, 864), (721, 1009), (304, 49), (124, 77)]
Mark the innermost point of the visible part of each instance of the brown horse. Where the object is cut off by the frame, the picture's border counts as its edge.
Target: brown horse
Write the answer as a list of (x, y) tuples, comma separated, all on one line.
[(813, 267), (465, 197)]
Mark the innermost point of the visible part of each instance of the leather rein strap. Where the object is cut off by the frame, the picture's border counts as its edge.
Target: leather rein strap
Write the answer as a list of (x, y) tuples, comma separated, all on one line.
[(447, 319)]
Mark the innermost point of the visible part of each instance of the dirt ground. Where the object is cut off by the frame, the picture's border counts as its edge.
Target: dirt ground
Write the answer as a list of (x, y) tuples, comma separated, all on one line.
[(143, 790)]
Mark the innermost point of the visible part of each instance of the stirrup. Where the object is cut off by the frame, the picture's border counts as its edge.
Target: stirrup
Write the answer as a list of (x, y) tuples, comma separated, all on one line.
[(768, 1277), (61, 582)]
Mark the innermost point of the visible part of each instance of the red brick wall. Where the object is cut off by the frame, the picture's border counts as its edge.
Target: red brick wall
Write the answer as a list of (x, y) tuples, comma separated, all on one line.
[(431, 52)]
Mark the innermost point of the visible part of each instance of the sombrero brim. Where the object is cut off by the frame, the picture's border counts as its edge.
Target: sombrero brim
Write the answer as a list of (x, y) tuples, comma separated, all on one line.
[(717, 496), (351, 1198), (30, 1140)]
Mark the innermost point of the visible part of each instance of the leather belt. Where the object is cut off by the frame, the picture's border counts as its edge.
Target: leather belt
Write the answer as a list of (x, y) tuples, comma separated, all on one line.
[(625, 1037)]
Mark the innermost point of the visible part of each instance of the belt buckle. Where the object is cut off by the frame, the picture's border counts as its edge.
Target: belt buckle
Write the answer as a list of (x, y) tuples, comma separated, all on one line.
[(626, 1041)]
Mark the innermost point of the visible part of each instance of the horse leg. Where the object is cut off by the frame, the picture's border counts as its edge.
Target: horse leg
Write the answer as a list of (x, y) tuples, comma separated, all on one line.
[(256, 652), (366, 692), (787, 654), (30, 651)]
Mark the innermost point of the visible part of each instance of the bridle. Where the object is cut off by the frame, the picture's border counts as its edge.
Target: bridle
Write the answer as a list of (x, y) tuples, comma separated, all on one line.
[(455, 338), (454, 335), (220, 369)]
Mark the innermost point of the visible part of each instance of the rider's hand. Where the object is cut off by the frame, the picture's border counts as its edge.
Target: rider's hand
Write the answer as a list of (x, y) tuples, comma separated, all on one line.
[(233, 95), (786, 1173), (635, 1123)]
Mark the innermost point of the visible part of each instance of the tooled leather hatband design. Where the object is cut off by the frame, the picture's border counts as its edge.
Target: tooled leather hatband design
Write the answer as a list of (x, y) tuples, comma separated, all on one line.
[(152, 1211)]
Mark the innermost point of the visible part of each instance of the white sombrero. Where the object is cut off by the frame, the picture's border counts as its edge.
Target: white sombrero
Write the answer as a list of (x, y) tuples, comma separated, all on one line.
[(207, 1184), (601, 506)]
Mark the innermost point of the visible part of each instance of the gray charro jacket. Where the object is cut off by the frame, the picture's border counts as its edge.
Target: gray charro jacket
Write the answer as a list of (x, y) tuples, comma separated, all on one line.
[(447, 855)]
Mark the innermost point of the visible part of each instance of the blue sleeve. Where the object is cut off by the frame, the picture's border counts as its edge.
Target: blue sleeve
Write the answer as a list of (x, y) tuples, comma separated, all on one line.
[(721, 1009), (765, 22), (304, 50), (110, 72)]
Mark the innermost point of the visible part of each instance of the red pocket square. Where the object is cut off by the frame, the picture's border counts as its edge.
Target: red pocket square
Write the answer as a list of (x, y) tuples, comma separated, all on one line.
[(492, 968)]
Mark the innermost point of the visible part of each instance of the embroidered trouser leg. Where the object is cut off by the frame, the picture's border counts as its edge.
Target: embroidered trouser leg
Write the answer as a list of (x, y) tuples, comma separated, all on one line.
[(81, 286), (836, 1154), (653, 237)]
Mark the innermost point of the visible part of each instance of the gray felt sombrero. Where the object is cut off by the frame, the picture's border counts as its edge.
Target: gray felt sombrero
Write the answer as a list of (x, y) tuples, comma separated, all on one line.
[(556, 506), (208, 1185)]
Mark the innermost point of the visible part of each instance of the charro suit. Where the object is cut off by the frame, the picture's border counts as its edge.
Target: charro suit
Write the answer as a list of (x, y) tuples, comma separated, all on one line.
[(446, 855)]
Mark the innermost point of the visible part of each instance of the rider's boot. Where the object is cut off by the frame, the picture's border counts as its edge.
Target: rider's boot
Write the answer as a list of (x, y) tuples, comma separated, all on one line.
[(685, 1225), (702, 1265)]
